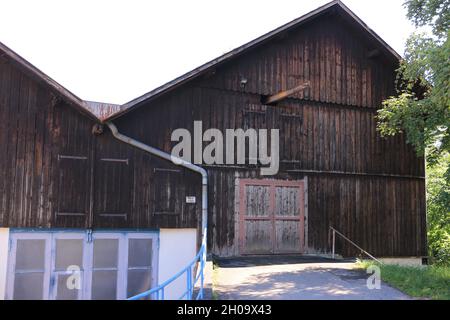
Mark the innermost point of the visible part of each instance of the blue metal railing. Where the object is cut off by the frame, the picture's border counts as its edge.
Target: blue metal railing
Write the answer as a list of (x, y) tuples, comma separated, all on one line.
[(158, 292)]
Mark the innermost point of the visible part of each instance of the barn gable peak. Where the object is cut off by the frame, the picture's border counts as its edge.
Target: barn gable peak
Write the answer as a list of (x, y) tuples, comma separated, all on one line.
[(100, 111), (335, 6)]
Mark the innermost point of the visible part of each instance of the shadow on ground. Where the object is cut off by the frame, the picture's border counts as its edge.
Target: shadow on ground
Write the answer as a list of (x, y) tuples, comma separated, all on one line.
[(296, 278), (266, 260)]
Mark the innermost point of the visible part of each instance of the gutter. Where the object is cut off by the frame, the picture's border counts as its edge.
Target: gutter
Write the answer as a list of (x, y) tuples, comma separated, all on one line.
[(177, 161)]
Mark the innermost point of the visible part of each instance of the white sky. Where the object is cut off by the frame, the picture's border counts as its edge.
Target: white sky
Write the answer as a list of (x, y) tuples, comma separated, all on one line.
[(114, 51)]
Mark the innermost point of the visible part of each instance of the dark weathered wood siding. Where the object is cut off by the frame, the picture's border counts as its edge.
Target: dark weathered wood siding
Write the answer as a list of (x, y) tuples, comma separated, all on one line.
[(25, 160), (368, 187), (56, 173)]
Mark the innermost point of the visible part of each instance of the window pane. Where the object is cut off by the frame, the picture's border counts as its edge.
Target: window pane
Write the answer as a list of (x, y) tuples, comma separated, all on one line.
[(138, 282), (139, 253), (104, 285), (30, 254), (64, 292), (105, 253), (69, 252), (28, 286)]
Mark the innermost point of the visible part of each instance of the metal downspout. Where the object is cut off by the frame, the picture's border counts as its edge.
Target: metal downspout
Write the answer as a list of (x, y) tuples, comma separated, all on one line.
[(177, 161)]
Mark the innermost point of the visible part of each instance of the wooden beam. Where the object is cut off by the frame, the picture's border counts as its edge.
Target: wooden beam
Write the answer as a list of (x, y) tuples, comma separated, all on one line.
[(284, 94)]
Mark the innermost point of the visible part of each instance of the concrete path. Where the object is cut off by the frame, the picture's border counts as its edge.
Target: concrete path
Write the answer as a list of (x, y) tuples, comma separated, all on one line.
[(291, 278)]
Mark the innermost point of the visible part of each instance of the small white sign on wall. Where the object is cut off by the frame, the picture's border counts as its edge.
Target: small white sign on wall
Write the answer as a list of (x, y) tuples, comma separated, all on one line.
[(190, 199)]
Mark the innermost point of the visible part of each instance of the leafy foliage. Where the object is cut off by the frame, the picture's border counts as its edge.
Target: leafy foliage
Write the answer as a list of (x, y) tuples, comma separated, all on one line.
[(425, 119), (438, 212), (430, 12), (421, 111)]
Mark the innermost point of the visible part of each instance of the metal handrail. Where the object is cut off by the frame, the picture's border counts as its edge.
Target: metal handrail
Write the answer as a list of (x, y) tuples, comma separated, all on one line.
[(351, 242), (158, 292)]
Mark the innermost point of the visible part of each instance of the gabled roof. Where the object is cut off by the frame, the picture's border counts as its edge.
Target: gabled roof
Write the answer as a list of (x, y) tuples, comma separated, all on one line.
[(191, 75), (100, 111), (41, 77)]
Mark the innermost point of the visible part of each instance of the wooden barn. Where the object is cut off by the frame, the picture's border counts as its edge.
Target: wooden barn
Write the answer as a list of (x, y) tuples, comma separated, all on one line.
[(72, 194)]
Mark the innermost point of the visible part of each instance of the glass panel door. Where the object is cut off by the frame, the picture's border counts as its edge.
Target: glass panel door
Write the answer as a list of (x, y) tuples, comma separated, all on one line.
[(139, 276), (68, 266), (105, 267), (71, 265), (29, 272)]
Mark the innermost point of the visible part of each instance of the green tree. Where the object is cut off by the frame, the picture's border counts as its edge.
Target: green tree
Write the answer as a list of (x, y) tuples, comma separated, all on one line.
[(421, 110), (438, 213)]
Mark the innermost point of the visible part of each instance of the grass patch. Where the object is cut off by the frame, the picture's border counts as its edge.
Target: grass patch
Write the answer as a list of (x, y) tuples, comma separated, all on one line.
[(419, 282)]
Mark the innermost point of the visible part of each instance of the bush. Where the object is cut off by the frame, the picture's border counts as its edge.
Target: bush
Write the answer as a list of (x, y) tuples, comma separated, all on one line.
[(438, 212)]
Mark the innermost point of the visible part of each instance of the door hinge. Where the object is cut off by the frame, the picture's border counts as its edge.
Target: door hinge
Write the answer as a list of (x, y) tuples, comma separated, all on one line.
[(89, 235)]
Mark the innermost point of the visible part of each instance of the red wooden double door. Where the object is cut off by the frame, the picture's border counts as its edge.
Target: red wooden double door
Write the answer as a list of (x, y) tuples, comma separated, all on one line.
[(272, 216)]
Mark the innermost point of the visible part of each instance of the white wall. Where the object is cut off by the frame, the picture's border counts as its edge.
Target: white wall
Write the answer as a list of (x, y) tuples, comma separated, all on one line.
[(4, 244), (177, 248)]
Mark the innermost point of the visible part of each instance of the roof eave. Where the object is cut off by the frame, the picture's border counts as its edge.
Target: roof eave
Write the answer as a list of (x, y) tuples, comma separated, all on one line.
[(40, 76), (171, 85)]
